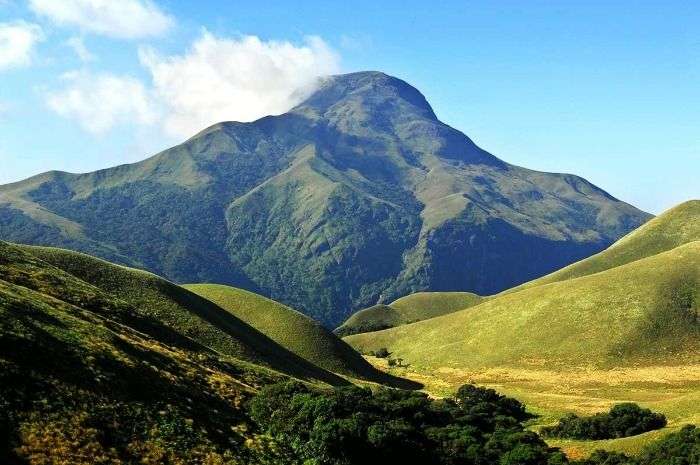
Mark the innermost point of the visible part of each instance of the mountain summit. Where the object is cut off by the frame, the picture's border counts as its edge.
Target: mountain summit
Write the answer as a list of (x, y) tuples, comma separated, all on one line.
[(356, 196)]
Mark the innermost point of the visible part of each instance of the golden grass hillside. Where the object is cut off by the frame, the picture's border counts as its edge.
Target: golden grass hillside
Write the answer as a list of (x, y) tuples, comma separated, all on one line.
[(409, 309), (291, 329)]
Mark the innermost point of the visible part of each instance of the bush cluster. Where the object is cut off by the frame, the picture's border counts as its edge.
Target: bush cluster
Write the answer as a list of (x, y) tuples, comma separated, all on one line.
[(623, 420), (354, 425)]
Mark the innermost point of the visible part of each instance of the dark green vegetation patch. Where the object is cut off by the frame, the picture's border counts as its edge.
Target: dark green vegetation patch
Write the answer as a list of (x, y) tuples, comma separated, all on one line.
[(681, 448), (355, 426), (622, 420)]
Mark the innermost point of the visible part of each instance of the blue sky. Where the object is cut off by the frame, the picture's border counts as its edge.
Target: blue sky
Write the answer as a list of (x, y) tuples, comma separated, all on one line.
[(606, 90)]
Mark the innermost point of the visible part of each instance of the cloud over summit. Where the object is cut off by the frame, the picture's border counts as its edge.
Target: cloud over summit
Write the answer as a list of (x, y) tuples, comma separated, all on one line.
[(241, 79), (216, 79)]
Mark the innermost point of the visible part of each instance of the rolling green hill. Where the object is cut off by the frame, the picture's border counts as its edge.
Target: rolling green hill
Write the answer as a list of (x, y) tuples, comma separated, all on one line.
[(291, 330), (185, 313), (357, 196), (409, 309), (642, 312), (86, 377)]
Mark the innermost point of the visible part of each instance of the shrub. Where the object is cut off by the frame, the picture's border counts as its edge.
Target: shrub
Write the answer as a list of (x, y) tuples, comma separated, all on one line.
[(382, 353), (680, 448), (623, 420)]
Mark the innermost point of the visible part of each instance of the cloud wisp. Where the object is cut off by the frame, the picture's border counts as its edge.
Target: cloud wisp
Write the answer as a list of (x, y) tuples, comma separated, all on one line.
[(77, 44), (122, 19), (17, 42)]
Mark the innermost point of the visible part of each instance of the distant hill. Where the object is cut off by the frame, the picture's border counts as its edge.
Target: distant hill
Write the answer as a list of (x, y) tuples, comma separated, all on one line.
[(292, 330), (641, 308), (357, 196), (408, 309)]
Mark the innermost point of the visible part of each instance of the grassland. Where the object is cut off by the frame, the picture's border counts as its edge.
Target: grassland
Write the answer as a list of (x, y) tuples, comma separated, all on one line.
[(292, 330), (550, 394), (409, 309)]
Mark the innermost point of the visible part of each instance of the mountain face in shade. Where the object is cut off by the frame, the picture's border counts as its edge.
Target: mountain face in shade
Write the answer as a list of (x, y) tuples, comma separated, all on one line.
[(359, 195)]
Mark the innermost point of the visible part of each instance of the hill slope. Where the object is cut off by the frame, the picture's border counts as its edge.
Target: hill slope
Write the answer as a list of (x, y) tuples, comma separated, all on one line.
[(674, 227), (643, 312), (409, 309), (188, 316), (290, 329), (357, 196), (86, 377)]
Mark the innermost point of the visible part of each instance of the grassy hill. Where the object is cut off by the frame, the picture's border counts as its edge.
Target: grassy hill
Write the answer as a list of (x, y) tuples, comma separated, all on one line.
[(291, 329), (86, 377), (620, 325), (640, 312), (184, 312), (409, 309), (673, 228)]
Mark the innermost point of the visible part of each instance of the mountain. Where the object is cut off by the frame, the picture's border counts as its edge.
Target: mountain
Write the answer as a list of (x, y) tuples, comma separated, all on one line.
[(357, 196), (409, 309), (292, 330), (643, 310)]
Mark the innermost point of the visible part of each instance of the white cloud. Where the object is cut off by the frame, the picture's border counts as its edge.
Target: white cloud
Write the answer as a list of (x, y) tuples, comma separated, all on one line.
[(217, 79), (126, 19), (17, 41), (78, 46), (242, 79), (98, 102)]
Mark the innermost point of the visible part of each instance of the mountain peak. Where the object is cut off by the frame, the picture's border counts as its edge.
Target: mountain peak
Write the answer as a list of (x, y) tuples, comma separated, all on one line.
[(373, 90)]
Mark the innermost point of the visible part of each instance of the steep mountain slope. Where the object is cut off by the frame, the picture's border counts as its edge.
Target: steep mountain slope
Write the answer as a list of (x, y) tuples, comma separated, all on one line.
[(357, 196), (191, 320), (409, 309), (677, 226), (643, 312), (291, 329)]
